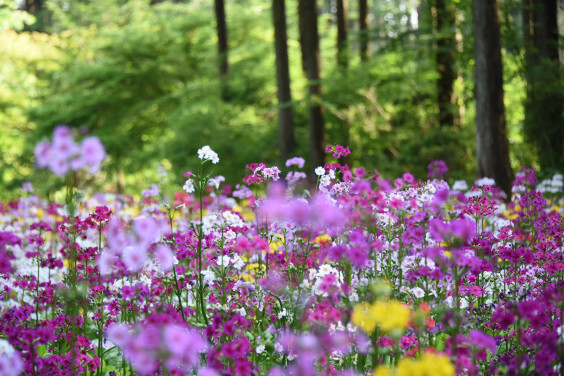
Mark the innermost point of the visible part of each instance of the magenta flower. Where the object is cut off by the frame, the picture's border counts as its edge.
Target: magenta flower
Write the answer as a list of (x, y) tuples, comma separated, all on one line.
[(482, 341)]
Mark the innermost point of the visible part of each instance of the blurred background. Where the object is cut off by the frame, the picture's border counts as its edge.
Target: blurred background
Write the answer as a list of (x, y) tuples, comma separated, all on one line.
[(156, 80)]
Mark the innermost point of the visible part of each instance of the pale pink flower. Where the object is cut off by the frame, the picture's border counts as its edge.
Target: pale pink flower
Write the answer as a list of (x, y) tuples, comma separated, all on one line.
[(134, 258), (164, 257)]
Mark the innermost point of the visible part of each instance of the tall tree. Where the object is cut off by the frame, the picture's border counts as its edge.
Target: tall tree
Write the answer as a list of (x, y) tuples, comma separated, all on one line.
[(222, 47), (342, 23), (309, 41), (363, 28), (492, 146), (444, 20), (544, 106), (285, 110)]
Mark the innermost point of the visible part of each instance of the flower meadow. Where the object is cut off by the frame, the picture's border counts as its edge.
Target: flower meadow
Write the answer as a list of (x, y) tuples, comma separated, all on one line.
[(355, 275)]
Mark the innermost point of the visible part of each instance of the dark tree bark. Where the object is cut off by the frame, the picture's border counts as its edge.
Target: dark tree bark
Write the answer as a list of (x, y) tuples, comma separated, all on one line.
[(222, 47), (286, 137), (444, 20), (37, 8), (363, 28), (544, 121), (492, 146), (342, 24), (309, 41), (34, 6)]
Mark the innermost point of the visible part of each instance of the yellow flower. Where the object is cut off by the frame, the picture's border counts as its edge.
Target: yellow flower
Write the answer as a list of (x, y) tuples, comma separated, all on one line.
[(408, 367), (436, 365), (362, 317), (383, 371), (323, 240), (392, 315), (388, 315), (275, 244)]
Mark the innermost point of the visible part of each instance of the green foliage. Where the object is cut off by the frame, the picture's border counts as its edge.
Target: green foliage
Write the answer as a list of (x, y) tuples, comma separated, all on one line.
[(145, 80), (25, 60), (13, 18)]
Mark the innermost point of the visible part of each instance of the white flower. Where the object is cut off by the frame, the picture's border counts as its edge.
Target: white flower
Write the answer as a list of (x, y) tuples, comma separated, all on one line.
[(207, 154), (6, 348), (319, 171), (325, 181), (418, 292), (215, 182), (209, 276), (459, 185), (484, 181), (260, 349), (189, 186)]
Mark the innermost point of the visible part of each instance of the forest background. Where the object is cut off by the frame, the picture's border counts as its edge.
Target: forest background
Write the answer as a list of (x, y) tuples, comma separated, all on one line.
[(393, 79)]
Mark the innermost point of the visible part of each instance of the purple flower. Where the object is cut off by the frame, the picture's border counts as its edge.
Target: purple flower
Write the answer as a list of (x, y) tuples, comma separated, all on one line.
[(482, 341), (42, 154), (358, 257), (297, 161), (93, 153)]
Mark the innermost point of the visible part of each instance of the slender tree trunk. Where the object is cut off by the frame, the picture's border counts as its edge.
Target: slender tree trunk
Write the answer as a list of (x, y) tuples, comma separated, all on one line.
[(492, 146), (37, 8), (363, 28), (544, 122), (342, 25), (444, 20), (309, 40), (222, 47), (285, 110)]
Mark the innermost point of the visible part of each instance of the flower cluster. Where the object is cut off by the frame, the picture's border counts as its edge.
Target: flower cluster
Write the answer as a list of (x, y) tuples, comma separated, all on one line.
[(64, 154)]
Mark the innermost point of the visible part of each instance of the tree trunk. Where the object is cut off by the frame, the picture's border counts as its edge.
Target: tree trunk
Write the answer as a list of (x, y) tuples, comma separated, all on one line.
[(287, 140), (363, 28), (37, 8), (342, 24), (222, 47), (544, 123), (309, 40), (444, 20), (492, 146)]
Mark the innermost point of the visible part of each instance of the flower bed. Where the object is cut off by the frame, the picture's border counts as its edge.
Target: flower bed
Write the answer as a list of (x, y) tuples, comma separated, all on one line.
[(357, 275)]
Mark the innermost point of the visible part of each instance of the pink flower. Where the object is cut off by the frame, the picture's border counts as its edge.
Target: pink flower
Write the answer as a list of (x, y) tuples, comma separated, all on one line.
[(64, 147), (118, 334), (107, 262), (58, 165), (164, 257), (93, 153), (147, 229), (134, 258)]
